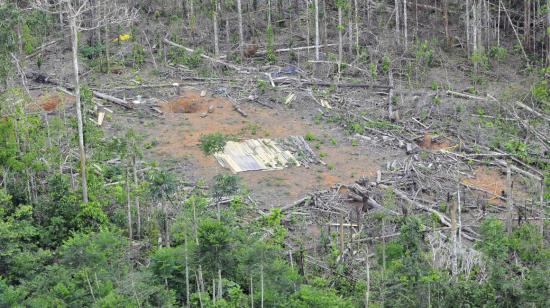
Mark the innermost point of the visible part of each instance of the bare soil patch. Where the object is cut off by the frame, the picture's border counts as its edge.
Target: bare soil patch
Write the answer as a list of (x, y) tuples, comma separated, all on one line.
[(177, 139), (51, 101), (190, 102), (435, 144), (490, 180)]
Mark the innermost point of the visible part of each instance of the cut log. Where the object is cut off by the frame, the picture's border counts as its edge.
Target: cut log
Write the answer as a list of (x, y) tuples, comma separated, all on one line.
[(533, 111), (42, 78), (263, 52), (226, 64), (465, 96), (293, 81), (113, 99)]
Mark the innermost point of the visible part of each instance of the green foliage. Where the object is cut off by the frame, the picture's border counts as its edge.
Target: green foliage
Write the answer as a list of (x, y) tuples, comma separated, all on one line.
[(541, 94), (480, 60), (516, 147), (373, 69), (137, 56), (386, 63), (225, 185), (271, 57), (180, 56), (498, 53), (310, 296), (310, 136), (212, 143), (423, 59), (32, 26), (93, 51)]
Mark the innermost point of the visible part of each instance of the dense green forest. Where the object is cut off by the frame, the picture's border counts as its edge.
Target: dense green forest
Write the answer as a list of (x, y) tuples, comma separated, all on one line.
[(91, 215)]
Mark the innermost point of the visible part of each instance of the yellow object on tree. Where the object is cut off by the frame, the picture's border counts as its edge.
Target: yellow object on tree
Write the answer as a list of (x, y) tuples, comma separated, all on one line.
[(122, 37)]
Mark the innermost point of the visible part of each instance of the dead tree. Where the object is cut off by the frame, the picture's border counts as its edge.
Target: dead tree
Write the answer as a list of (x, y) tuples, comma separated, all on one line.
[(241, 34), (317, 30)]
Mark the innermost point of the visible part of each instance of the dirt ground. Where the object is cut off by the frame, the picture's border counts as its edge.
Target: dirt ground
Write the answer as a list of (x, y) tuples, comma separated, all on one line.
[(174, 141)]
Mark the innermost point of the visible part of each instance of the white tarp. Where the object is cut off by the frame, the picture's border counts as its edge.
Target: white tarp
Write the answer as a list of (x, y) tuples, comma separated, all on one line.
[(255, 154)]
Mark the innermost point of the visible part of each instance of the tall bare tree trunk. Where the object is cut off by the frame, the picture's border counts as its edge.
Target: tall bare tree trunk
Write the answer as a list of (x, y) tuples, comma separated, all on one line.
[(325, 35), (317, 30), (308, 27), (509, 202), (80, 125), (269, 12), (340, 38), (191, 18), (397, 22), (548, 32), (220, 286), (454, 261), (367, 291), (216, 35), (262, 285), (468, 27), (128, 203), (526, 24), (241, 34), (498, 22), (136, 197), (405, 24), (251, 292), (356, 4), (187, 290), (446, 21), (350, 28)]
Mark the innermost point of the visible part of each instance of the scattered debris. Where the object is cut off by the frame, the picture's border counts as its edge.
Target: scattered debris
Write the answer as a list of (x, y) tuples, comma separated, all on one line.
[(325, 103), (290, 98)]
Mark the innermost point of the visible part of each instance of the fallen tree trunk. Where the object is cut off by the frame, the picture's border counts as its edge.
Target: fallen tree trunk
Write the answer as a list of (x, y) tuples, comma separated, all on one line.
[(40, 49), (227, 64), (293, 81), (263, 52), (41, 78), (466, 96), (533, 111), (113, 99)]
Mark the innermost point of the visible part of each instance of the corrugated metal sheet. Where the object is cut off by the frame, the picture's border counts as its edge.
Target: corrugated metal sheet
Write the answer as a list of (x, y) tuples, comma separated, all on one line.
[(255, 154)]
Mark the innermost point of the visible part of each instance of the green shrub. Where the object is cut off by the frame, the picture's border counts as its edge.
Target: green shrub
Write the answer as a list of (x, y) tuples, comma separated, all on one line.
[(212, 143), (540, 93), (498, 53)]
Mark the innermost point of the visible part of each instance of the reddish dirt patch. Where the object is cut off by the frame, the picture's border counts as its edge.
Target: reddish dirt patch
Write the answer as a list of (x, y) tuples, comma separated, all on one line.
[(489, 180), (442, 144), (435, 144), (190, 102), (51, 101)]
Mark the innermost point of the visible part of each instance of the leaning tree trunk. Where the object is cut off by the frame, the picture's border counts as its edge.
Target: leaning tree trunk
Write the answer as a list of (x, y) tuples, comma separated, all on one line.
[(80, 125)]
